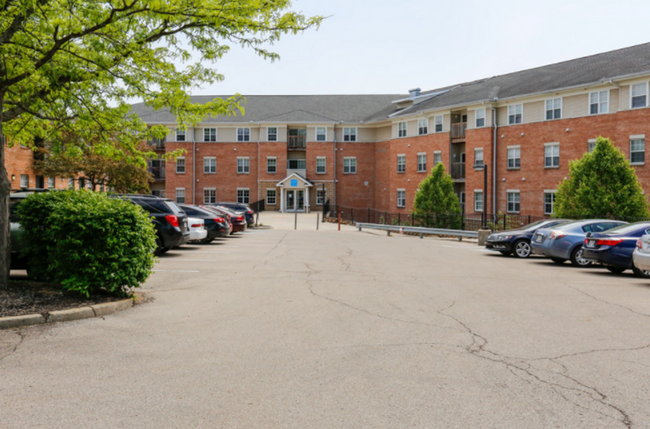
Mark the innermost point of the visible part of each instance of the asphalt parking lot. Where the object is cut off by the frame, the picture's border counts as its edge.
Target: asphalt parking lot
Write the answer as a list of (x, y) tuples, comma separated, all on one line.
[(328, 329)]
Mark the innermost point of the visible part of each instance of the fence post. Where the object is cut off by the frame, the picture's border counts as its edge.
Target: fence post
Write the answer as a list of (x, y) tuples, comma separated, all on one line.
[(528, 219), (317, 220), (339, 212), (399, 219), (385, 217), (504, 222)]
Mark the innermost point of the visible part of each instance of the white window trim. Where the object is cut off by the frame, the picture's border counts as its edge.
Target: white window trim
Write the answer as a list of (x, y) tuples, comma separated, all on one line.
[(545, 110), (545, 146), (522, 113), (399, 129), (482, 152), (176, 194), (268, 132), (402, 155), (249, 194), (356, 134), (243, 135), (426, 120), (546, 191), (513, 191), (249, 165), (324, 196), (589, 142), (442, 122), (321, 157), (215, 164), (647, 95), (267, 197), (267, 165), (508, 157), (184, 135), (316, 134), (355, 164), (637, 137), (184, 165), (437, 152), (479, 191), (215, 195), (216, 135), (397, 194), (609, 98), (419, 154), (476, 118)]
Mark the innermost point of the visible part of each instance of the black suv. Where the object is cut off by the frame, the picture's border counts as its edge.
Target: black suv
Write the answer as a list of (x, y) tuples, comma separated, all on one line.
[(170, 221)]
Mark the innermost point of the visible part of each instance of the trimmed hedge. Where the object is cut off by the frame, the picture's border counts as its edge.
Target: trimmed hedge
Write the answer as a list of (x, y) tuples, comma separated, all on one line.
[(86, 241)]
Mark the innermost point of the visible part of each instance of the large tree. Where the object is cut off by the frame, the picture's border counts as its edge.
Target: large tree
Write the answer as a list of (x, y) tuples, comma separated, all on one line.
[(601, 184), (67, 65), (436, 204)]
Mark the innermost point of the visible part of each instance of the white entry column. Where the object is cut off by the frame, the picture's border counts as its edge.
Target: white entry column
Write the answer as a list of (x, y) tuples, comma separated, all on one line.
[(306, 199), (281, 200)]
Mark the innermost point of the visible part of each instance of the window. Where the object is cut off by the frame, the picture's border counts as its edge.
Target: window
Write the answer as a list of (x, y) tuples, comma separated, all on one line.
[(422, 162), (209, 134), (549, 202), (639, 95), (71, 183), (209, 196), (180, 165), (321, 134), (243, 196), (271, 197), (321, 165), (598, 102), (513, 201), (637, 150), (297, 164), (349, 165), (180, 135), (401, 129), (514, 157), (180, 195), (272, 134), (24, 181), (401, 163), (480, 118), (437, 157), (591, 145), (478, 201), (243, 165), (321, 197), (271, 165), (51, 182), (349, 134), (438, 124), (401, 198), (478, 156), (553, 109), (515, 114), (209, 165), (243, 134), (551, 155), (423, 126)]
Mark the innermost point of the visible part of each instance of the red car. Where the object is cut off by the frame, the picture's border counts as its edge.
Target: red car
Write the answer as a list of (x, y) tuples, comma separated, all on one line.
[(238, 221)]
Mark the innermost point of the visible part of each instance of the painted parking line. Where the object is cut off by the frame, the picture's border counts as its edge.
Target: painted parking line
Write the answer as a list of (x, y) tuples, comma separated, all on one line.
[(467, 248), (175, 271), (189, 260)]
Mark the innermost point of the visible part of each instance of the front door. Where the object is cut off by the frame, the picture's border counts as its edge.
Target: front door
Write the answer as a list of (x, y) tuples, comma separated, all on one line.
[(301, 200), (291, 200)]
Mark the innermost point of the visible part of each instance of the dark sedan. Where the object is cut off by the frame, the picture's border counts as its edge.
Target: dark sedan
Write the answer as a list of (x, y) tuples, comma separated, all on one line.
[(517, 241), (615, 247), (217, 226), (237, 221), (240, 208)]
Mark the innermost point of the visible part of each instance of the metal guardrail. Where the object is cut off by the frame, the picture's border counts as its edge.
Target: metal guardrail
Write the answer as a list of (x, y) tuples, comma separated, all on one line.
[(418, 230)]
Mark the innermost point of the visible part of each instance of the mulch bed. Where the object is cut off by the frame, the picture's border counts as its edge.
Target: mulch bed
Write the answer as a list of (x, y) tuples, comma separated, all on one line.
[(27, 297)]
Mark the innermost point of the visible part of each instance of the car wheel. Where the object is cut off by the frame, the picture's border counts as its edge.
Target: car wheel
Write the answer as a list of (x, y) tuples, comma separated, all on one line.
[(615, 270), (206, 241), (641, 273), (558, 260), (504, 252), (577, 260), (159, 246), (522, 249)]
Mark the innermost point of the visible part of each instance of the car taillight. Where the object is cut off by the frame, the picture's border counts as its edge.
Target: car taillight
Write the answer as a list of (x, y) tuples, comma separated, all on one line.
[(250, 212), (197, 225), (240, 218), (219, 220), (609, 242), (557, 234), (172, 219), (639, 245)]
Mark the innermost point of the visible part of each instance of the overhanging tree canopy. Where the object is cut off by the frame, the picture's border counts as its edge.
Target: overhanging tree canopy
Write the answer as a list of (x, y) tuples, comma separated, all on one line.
[(67, 65)]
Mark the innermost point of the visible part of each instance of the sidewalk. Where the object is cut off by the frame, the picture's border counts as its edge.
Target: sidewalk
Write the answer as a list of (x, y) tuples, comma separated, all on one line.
[(306, 221)]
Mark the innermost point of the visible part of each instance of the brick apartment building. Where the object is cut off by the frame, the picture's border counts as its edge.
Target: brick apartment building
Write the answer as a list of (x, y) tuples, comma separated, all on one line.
[(372, 151)]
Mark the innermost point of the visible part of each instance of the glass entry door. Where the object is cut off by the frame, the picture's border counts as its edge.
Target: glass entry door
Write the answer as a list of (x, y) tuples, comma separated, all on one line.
[(301, 200), (291, 200)]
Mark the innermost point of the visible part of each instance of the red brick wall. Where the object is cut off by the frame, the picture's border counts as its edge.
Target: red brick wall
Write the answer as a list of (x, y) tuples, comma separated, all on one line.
[(351, 189), (19, 160)]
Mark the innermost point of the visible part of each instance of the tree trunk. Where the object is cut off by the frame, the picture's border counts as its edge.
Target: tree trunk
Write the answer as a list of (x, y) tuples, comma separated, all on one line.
[(5, 189)]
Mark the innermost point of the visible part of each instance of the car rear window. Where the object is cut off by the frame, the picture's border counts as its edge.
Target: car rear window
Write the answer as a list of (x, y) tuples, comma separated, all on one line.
[(152, 205), (628, 228), (175, 209)]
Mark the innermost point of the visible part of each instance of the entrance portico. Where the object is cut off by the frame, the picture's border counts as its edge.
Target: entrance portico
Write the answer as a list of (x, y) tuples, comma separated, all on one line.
[(294, 193)]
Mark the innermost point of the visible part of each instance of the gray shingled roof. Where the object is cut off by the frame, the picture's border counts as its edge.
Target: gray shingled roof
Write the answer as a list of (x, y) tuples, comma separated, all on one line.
[(372, 108)]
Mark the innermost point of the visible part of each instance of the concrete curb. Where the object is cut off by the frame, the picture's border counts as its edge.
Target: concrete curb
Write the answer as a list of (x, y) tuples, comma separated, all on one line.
[(97, 310)]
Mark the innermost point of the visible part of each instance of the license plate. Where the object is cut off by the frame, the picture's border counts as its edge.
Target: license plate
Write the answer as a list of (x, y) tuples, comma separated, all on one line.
[(591, 243)]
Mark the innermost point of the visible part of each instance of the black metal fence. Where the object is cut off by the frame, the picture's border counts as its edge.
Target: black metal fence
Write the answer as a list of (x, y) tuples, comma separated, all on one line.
[(257, 206)]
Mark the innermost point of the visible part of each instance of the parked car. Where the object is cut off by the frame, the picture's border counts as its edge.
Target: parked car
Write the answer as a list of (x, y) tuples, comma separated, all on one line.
[(517, 241), (197, 229), (564, 242), (238, 221), (216, 225), (641, 255), (614, 248), (240, 208), (172, 228)]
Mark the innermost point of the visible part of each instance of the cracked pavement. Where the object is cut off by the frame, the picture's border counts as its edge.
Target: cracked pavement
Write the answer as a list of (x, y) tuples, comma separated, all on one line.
[(320, 329)]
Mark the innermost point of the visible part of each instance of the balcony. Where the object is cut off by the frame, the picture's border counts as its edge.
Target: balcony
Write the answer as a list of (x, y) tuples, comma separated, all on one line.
[(157, 144), (297, 142), (458, 170), (297, 166), (158, 171), (458, 132)]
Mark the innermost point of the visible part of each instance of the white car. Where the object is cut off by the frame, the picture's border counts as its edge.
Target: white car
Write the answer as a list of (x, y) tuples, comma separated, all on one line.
[(641, 254), (197, 229)]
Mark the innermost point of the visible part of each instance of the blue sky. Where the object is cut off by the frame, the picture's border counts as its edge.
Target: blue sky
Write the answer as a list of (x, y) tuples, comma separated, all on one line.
[(381, 46)]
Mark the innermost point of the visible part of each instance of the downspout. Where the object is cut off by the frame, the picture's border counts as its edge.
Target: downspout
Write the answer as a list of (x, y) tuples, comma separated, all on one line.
[(494, 160), (193, 166), (335, 163)]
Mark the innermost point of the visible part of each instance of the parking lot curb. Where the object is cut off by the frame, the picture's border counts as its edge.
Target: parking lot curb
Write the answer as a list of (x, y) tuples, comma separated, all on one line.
[(87, 312)]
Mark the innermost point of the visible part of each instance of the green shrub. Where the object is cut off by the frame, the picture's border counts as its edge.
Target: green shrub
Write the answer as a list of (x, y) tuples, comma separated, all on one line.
[(436, 202), (86, 241)]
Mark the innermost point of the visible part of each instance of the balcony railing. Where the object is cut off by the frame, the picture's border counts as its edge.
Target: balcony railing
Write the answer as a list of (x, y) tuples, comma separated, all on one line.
[(297, 164), (157, 143), (458, 170), (297, 142), (157, 172), (458, 130)]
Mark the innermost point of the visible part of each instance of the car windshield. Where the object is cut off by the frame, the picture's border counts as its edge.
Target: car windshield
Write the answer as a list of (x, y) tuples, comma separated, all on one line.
[(628, 228)]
